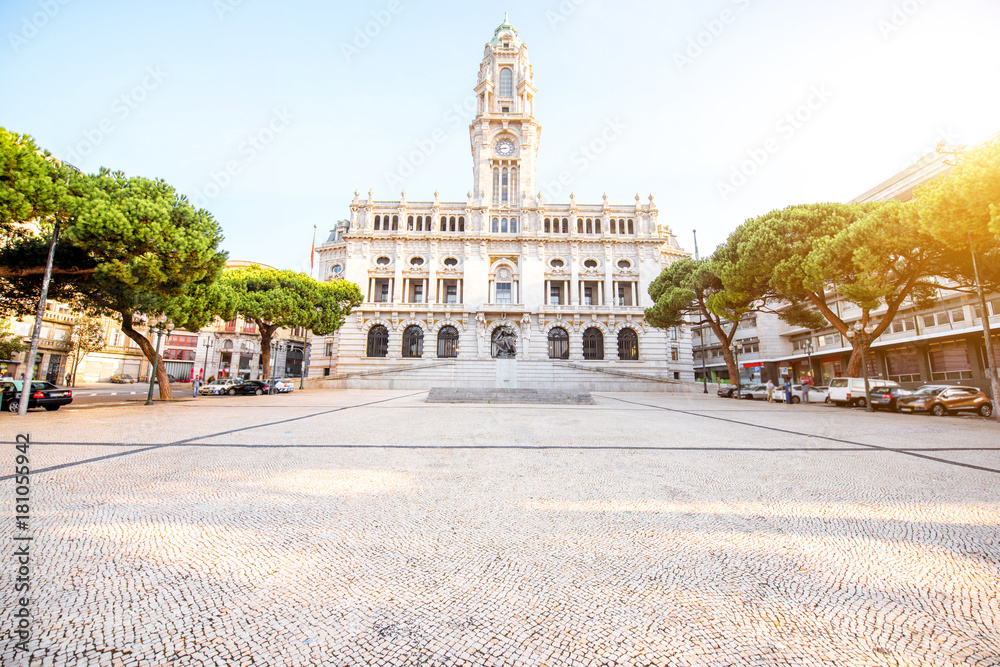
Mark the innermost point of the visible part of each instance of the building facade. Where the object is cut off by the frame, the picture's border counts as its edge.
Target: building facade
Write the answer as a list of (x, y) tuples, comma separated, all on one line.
[(503, 273), (941, 341)]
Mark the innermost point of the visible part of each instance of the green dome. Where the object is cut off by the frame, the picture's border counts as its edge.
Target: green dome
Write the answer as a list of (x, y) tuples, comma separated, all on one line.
[(503, 27)]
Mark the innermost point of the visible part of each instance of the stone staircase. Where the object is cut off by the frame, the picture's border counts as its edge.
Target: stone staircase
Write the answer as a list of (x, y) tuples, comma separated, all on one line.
[(545, 375), (507, 396)]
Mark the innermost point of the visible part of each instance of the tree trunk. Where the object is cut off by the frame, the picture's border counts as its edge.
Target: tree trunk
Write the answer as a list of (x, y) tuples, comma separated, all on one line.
[(854, 364), (266, 333), (150, 353), (734, 371)]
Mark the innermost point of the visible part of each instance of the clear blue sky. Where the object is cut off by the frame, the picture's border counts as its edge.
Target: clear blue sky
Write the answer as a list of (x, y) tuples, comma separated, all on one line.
[(306, 112)]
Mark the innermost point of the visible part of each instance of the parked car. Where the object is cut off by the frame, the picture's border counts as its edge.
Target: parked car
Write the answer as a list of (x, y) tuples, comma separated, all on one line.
[(249, 387), (817, 394), (283, 386), (43, 395), (941, 399), (728, 391), (212, 389), (887, 398), (122, 378), (756, 392), (851, 391)]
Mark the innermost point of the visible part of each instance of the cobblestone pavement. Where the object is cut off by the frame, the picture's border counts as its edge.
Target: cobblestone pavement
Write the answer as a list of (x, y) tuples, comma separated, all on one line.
[(357, 528)]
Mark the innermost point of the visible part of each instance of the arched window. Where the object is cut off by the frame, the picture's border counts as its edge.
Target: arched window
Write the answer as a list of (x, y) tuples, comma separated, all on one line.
[(513, 225), (378, 222), (565, 226), (409, 223), (496, 185), (395, 223), (593, 344), (413, 342), (548, 225), (631, 228), (558, 344), (621, 225), (448, 342), (496, 225), (504, 184), (461, 223), (597, 225), (451, 227), (506, 82), (628, 345), (378, 341), (513, 184), (503, 225), (444, 224), (579, 225)]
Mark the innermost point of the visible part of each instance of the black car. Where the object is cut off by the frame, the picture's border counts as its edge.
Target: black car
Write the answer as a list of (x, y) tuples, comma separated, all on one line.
[(43, 395), (729, 391), (885, 398), (249, 388)]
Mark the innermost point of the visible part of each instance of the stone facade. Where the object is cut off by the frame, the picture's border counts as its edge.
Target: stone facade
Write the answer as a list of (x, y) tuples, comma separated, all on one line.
[(440, 279)]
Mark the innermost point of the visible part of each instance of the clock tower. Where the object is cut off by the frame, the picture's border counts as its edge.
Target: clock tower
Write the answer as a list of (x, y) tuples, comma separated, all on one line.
[(504, 135)]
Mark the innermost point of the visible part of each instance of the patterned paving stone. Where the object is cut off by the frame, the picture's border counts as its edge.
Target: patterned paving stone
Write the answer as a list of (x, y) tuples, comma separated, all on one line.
[(372, 528)]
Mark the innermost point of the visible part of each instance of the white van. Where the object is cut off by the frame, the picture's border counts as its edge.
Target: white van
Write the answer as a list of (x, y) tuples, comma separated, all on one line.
[(851, 391)]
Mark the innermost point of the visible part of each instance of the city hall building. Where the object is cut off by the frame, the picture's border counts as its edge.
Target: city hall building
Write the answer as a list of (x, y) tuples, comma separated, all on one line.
[(504, 289)]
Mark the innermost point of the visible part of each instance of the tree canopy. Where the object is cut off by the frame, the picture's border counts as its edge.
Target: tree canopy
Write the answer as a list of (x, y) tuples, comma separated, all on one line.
[(32, 185), (873, 254), (133, 247), (274, 299), (691, 291)]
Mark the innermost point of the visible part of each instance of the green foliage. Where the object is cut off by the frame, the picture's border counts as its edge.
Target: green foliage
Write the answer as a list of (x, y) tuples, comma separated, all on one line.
[(275, 299), (32, 185), (963, 208), (9, 343)]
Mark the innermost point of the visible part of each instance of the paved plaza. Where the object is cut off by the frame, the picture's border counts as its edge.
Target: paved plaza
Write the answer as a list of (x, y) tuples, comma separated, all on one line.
[(357, 528)]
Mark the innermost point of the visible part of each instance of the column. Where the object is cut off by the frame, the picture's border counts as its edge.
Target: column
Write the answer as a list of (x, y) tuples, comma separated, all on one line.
[(635, 293)]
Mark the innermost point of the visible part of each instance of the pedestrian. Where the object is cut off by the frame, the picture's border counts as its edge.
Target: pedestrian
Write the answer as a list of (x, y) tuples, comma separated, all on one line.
[(69, 378), (805, 390), (770, 391), (788, 391), (194, 386)]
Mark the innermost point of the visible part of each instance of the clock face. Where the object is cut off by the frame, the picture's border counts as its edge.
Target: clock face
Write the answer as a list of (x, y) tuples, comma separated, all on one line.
[(505, 147)]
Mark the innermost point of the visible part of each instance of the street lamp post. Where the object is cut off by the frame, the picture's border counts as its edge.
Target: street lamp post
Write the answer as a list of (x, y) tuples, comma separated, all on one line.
[(701, 329), (275, 346), (209, 343), (808, 347), (736, 348), (862, 331), (162, 326), (29, 366)]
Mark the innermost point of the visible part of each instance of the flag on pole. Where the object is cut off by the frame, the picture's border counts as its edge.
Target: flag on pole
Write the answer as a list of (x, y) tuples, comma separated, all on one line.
[(312, 253)]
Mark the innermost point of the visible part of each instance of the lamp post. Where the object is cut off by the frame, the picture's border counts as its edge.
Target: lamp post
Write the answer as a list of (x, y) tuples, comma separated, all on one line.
[(808, 347), (29, 370), (275, 346), (701, 329), (861, 331), (209, 343), (161, 327), (736, 348)]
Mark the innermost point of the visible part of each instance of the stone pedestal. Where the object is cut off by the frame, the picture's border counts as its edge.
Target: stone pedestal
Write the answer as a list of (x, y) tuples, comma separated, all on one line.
[(506, 373)]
